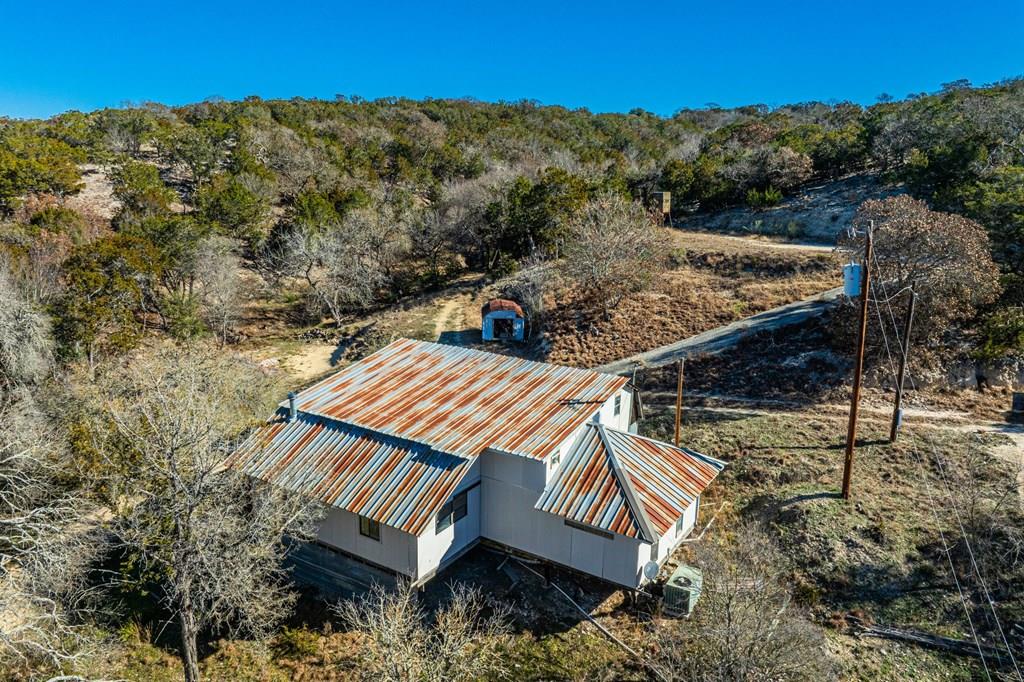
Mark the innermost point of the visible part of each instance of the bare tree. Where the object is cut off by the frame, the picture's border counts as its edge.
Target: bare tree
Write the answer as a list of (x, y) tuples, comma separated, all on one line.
[(339, 264), (463, 643), (218, 271), (46, 546), (25, 343), (745, 626), (528, 286), (384, 229), (434, 239), (947, 255), (215, 537), (615, 247), (292, 159)]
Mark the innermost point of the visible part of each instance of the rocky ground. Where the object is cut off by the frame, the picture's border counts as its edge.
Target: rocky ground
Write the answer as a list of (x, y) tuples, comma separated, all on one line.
[(816, 213)]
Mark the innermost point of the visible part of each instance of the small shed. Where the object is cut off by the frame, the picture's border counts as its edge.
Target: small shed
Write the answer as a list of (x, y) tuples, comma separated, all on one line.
[(502, 319)]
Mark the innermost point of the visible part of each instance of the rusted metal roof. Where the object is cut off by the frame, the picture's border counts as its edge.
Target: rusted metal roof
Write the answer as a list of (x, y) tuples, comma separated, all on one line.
[(627, 484), (586, 490), (501, 304), (462, 401), (396, 482)]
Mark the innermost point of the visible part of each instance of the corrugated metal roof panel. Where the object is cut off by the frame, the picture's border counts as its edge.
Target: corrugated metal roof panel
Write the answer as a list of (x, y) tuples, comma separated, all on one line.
[(586, 490), (665, 480), (462, 401), (396, 482)]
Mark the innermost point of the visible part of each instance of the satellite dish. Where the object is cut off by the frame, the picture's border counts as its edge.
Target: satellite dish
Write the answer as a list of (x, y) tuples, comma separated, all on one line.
[(651, 570)]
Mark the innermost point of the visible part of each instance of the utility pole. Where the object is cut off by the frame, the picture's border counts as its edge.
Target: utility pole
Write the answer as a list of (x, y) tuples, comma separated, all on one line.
[(679, 397), (851, 432), (897, 410)]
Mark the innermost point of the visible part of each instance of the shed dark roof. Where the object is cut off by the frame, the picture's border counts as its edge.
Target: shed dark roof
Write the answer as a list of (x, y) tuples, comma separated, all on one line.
[(497, 304)]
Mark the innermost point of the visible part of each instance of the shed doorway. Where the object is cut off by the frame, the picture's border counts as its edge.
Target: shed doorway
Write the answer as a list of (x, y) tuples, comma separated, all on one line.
[(504, 328)]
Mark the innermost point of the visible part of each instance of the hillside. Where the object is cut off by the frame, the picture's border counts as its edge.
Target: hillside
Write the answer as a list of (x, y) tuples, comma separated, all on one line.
[(169, 274)]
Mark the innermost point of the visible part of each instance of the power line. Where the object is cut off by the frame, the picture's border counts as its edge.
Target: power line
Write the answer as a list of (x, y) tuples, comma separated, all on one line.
[(942, 536), (949, 493)]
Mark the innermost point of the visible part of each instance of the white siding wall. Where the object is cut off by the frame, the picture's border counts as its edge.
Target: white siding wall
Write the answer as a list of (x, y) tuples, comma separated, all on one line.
[(670, 540), (604, 415), (436, 548), (396, 549), (510, 487)]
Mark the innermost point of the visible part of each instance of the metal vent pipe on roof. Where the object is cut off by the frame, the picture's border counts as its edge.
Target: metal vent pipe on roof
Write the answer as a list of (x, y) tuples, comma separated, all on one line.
[(292, 411)]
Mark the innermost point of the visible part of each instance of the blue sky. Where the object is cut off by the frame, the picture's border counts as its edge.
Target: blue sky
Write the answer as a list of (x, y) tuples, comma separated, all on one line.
[(606, 56)]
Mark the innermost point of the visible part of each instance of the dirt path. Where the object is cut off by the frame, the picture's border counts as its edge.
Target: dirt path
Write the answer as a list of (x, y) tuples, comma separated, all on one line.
[(310, 361), (809, 247), (447, 315), (723, 337), (949, 420), (452, 326)]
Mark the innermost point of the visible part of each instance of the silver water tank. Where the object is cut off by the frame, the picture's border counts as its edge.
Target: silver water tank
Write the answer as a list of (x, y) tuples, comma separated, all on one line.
[(852, 279)]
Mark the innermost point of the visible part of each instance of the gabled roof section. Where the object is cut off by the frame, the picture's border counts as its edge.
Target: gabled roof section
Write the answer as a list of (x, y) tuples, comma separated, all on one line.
[(627, 484), (588, 489), (461, 401), (398, 483)]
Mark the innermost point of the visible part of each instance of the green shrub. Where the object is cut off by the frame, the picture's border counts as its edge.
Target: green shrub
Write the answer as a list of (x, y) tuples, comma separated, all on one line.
[(297, 643), (1002, 333), (678, 257), (60, 220), (763, 198), (182, 313)]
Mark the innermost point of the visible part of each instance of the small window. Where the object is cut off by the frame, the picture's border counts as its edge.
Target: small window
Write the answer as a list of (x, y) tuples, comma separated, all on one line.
[(679, 524), (618, 405), (452, 511), (654, 551), (369, 528)]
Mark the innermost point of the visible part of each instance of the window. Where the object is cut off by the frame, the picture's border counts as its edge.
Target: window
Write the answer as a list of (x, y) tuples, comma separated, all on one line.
[(453, 510), (679, 524), (369, 528), (654, 551), (618, 405)]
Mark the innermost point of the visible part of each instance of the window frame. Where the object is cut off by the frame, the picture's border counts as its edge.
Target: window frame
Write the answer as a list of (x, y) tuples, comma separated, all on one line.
[(452, 511), (372, 528), (618, 405)]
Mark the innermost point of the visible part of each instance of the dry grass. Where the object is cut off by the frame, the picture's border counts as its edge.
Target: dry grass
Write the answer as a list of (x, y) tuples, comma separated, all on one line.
[(877, 556), (717, 281)]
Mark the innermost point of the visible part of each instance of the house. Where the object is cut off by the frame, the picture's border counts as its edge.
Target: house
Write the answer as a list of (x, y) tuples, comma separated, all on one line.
[(421, 450), (502, 319)]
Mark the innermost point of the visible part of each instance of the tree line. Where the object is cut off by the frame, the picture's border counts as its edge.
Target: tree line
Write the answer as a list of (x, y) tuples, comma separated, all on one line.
[(112, 450)]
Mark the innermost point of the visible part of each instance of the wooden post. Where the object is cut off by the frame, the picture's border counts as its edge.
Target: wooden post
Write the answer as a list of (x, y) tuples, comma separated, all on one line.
[(679, 398), (851, 432), (897, 410)]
